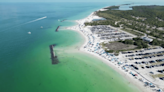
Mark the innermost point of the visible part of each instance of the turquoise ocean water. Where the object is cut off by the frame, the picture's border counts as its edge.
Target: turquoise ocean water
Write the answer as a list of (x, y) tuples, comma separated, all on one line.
[(25, 64)]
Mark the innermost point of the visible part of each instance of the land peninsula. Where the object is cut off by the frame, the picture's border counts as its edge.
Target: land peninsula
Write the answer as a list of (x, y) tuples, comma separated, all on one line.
[(129, 41), (141, 20)]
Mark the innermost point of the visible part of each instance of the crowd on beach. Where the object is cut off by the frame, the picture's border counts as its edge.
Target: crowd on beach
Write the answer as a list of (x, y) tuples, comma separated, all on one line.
[(93, 46)]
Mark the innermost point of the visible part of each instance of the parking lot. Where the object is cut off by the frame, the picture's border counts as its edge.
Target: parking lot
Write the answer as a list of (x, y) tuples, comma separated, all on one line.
[(148, 62), (107, 33)]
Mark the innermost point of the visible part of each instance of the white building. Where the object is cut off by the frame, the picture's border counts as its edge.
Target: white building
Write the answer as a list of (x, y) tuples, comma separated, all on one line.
[(147, 39)]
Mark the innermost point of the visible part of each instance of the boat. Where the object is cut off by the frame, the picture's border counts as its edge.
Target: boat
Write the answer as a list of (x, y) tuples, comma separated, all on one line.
[(41, 27), (29, 32)]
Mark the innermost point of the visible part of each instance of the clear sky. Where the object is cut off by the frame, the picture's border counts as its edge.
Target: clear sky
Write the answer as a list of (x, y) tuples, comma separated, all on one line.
[(80, 0)]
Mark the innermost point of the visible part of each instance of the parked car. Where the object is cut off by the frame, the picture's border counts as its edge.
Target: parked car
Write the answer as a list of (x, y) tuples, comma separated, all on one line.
[(161, 71), (162, 78), (151, 72), (143, 67)]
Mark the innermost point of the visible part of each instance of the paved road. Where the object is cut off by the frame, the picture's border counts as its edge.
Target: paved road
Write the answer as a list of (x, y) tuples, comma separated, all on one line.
[(146, 35)]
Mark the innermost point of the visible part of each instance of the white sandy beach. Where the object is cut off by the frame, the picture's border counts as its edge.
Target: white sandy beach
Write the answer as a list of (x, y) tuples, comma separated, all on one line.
[(86, 33)]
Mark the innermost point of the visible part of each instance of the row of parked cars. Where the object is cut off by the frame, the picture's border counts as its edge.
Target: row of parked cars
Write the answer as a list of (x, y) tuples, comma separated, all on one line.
[(152, 54), (135, 67), (130, 52), (145, 57), (152, 61), (152, 66), (160, 60), (149, 84), (127, 52), (144, 62)]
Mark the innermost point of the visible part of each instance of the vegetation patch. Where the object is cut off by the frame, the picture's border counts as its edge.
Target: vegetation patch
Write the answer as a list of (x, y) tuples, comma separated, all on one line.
[(157, 75), (157, 42), (146, 19), (136, 41), (117, 46)]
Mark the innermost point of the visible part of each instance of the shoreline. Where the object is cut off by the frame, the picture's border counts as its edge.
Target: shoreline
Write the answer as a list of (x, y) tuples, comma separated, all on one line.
[(80, 29)]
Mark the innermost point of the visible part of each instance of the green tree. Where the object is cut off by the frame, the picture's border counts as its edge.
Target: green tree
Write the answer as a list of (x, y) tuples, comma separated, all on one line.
[(162, 45)]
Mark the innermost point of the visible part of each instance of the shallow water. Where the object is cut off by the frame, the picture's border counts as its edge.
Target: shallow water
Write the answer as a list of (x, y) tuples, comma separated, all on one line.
[(25, 64)]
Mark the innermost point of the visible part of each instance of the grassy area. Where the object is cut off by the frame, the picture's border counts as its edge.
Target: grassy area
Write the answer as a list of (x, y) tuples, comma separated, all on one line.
[(157, 75), (153, 55), (116, 47), (136, 41)]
